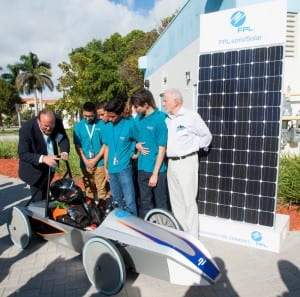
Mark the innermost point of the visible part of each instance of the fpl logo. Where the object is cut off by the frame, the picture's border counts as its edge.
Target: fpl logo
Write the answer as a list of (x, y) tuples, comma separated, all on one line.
[(238, 19)]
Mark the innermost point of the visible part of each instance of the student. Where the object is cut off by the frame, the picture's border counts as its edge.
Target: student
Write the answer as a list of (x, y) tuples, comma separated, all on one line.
[(187, 133), (119, 139), (101, 112), (88, 134), (152, 141)]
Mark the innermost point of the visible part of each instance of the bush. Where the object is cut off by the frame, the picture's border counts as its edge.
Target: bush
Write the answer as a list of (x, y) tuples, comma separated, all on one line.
[(289, 180), (9, 149)]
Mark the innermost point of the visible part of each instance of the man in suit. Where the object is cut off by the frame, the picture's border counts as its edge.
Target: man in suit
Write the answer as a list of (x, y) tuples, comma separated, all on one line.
[(37, 149)]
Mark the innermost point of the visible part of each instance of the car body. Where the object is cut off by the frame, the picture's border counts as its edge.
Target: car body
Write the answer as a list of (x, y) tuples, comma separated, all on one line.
[(122, 241)]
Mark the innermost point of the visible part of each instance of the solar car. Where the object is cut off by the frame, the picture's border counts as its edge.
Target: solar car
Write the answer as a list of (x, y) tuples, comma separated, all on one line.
[(155, 245)]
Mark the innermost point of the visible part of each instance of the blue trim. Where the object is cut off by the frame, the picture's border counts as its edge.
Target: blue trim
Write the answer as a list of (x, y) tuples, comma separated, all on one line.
[(197, 258)]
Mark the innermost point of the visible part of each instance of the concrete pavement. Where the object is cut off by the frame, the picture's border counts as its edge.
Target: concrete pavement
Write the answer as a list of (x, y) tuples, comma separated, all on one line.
[(47, 269)]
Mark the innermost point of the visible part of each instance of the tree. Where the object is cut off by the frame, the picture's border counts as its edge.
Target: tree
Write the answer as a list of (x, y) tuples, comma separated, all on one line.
[(92, 73), (101, 71), (34, 76), (9, 97), (137, 43), (11, 76)]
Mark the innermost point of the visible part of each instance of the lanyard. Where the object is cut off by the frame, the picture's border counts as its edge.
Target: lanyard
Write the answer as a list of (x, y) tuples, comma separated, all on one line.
[(90, 133)]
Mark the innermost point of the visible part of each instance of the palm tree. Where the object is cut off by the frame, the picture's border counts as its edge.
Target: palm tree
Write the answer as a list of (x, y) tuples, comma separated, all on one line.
[(34, 76), (11, 76)]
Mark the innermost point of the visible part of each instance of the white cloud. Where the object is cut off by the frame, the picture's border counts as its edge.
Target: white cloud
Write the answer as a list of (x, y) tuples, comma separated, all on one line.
[(51, 29)]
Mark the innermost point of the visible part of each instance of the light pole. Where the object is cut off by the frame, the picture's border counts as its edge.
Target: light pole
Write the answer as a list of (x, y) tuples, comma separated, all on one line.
[(18, 109)]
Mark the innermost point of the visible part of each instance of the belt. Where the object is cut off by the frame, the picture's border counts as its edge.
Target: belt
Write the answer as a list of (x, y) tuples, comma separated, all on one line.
[(182, 157)]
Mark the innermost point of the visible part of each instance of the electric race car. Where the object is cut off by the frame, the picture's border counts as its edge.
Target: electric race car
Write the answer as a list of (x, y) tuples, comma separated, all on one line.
[(154, 246)]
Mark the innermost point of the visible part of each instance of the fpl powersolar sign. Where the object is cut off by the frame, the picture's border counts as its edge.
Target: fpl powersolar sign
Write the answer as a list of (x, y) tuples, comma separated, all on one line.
[(250, 26), (239, 97)]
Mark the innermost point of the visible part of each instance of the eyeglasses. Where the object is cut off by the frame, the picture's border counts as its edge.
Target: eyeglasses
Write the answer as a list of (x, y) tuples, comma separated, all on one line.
[(88, 116)]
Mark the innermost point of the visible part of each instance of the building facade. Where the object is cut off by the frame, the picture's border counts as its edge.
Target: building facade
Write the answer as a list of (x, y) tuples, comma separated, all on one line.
[(173, 58)]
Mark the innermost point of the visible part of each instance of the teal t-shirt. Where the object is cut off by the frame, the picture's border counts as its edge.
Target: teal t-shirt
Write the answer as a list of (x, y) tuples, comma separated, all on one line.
[(89, 136), (152, 130), (120, 139)]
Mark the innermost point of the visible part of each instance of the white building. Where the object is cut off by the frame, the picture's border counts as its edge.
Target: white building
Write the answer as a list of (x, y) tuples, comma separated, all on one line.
[(172, 61)]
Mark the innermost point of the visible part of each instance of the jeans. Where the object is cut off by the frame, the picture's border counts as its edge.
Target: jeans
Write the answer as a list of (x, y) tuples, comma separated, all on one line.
[(151, 197), (122, 189)]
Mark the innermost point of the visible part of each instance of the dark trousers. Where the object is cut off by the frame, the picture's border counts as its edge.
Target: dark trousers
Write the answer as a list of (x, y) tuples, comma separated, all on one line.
[(153, 197), (39, 190)]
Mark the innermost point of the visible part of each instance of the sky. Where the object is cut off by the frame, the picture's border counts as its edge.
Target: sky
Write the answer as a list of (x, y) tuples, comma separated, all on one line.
[(51, 29)]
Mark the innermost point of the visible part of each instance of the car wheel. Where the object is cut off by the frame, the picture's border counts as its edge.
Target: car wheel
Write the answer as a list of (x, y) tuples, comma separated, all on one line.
[(19, 228), (162, 217), (104, 265)]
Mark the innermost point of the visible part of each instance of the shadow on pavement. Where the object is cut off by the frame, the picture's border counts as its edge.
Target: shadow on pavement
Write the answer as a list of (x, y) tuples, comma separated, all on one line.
[(290, 274), (12, 195), (60, 278), (7, 262), (222, 288)]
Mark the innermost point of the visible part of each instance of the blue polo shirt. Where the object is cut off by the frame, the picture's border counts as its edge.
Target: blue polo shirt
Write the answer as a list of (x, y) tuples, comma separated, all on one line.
[(89, 136), (152, 130), (120, 139)]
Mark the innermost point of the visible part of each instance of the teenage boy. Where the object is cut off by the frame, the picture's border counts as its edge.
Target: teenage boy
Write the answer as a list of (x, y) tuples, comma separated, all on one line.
[(119, 139), (152, 141), (88, 134)]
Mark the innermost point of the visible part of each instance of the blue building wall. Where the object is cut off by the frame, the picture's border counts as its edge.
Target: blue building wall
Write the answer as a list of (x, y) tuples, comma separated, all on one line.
[(185, 29)]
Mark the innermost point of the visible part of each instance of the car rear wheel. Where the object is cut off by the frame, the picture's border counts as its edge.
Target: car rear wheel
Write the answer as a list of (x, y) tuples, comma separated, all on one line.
[(162, 217)]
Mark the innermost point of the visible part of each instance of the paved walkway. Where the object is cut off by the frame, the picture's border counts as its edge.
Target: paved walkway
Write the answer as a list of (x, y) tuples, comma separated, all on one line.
[(46, 269)]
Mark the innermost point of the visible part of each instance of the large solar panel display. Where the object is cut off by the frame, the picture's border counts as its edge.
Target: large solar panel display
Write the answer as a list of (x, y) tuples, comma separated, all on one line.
[(239, 97)]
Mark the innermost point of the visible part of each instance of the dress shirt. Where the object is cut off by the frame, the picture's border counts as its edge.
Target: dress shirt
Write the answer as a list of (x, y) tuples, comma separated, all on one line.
[(187, 133)]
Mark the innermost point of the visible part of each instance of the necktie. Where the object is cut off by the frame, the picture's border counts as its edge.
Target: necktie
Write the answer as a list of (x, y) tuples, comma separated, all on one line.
[(50, 149)]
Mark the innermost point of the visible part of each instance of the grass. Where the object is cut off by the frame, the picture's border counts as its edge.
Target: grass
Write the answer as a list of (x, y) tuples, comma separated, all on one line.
[(9, 132)]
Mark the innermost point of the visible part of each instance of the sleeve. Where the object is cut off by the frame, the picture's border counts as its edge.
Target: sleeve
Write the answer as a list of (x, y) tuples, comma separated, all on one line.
[(76, 138), (162, 133), (26, 146), (202, 131)]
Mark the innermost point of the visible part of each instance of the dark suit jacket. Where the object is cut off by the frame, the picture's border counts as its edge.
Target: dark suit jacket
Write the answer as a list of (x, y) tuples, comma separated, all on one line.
[(32, 145)]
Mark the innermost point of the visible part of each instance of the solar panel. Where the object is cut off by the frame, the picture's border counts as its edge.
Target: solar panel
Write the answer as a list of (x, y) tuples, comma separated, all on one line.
[(239, 97)]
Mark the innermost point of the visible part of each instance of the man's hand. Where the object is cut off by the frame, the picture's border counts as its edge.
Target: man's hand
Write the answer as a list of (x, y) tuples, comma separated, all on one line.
[(153, 180), (91, 163), (51, 160), (141, 149), (64, 156)]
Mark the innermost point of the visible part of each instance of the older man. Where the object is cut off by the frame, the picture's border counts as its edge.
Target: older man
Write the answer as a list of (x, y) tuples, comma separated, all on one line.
[(187, 133), (37, 149)]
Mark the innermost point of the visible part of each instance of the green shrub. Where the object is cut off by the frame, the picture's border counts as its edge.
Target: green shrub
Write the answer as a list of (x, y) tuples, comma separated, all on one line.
[(289, 180), (9, 149)]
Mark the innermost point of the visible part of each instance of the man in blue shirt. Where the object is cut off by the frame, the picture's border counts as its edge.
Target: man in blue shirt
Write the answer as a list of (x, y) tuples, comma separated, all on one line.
[(119, 139), (152, 141), (88, 143)]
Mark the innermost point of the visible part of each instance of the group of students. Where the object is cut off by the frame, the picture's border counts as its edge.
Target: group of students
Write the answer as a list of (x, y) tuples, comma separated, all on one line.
[(109, 140)]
